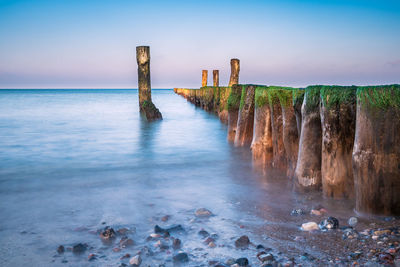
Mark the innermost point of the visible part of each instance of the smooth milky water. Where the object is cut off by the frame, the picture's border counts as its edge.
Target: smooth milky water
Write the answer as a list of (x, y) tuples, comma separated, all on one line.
[(74, 161)]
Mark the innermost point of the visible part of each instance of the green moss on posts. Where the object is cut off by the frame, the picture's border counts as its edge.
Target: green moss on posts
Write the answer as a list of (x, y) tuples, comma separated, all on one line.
[(312, 94), (224, 93), (261, 96), (234, 100), (380, 97), (298, 95), (336, 95)]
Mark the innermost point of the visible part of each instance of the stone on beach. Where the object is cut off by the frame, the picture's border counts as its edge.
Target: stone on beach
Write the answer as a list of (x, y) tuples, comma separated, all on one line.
[(329, 223), (135, 260), (107, 234), (242, 262), (242, 241), (79, 248), (309, 226), (203, 212), (60, 249), (180, 257)]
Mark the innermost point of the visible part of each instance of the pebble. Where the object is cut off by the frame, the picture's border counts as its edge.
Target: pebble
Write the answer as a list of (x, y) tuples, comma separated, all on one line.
[(316, 212), (165, 218), (263, 256), (123, 231), (91, 257), (126, 242), (352, 221), (107, 234), (160, 244), (181, 257), (203, 212), (203, 233), (242, 262), (212, 245), (329, 223), (135, 260), (60, 249), (127, 255), (176, 244), (79, 248), (309, 226), (242, 241), (209, 240), (297, 212), (155, 235)]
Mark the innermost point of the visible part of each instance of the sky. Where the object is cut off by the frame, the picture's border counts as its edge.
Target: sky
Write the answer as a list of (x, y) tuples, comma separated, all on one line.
[(91, 43)]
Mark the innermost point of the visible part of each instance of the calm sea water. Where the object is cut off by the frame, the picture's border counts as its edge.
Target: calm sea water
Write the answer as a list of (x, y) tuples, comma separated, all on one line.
[(73, 161)]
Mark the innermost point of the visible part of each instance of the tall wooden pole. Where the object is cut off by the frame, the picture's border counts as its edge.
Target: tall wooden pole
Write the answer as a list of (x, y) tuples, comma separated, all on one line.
[(204, 78), (143, 61), (216, 78)]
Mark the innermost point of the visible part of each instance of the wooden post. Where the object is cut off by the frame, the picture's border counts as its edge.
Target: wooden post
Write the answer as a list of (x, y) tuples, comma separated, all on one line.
[(216, 78), (204, 78), (143, 61), (235, 68), (144, 86)]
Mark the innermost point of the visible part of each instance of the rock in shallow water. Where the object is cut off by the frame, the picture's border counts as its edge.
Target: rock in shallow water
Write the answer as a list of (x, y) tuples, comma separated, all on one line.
[(135, 260), (126, 242), (79, 248), (176, 244), (203, 212), (242, 262), (60, 249), (181, 257), (203, 233), (107, 234), (242, 241)]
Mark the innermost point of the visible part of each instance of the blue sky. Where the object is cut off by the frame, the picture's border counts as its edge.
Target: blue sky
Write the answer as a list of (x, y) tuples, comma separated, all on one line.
[(91, 44)]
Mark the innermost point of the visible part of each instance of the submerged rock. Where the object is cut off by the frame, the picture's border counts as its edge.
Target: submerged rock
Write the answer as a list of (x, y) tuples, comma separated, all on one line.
[(328, 224), (203, 233), (181, 257), (177, 243), (263, 256), (203, 212), (79, 248), (165, 218), (126, 242), (309, 226), (242, 241), (92, 257), (60, 249), (242, 262), (107, 234)]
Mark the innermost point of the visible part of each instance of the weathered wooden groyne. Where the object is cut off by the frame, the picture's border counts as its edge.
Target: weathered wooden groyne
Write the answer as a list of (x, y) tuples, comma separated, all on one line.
[(341, 140)]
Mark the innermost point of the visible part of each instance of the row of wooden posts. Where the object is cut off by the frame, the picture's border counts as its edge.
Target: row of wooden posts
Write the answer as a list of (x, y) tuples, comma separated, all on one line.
[(325, 137)]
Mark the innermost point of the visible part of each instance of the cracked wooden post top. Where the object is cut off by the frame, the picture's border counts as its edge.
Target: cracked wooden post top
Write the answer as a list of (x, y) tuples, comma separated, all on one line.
[(216, 78), (235, 68), (204, 78)]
